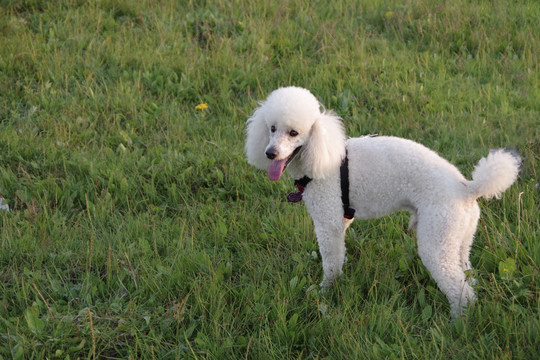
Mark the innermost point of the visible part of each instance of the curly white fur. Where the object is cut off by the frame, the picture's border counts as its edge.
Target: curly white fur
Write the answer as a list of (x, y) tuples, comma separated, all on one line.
[(386, 174)]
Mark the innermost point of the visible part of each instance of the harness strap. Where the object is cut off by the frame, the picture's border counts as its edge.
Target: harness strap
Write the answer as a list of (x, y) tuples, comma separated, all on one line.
[(348, 212)]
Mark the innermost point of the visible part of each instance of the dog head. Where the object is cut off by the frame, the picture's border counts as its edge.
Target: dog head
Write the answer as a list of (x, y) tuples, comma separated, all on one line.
[(292, 126)]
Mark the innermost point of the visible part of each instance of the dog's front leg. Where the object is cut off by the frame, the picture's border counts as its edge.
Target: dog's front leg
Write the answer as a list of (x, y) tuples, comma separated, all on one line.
[(331, 239), (323, 202)]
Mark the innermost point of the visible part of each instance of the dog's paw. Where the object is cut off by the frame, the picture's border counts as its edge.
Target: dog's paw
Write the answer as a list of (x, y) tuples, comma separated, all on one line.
[(325, 284)]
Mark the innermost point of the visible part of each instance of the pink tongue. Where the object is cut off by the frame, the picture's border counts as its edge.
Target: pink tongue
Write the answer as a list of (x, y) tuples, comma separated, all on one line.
[(276, 169)]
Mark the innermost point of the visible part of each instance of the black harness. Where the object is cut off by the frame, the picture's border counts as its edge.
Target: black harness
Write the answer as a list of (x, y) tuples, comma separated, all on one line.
[(348, 212)]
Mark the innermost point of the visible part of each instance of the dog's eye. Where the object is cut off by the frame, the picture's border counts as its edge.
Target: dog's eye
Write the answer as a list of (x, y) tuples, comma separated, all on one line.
[(273, 128), (293, 133)]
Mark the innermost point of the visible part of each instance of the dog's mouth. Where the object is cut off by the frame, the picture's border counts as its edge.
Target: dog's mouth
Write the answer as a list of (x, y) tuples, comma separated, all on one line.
[(276, 168)]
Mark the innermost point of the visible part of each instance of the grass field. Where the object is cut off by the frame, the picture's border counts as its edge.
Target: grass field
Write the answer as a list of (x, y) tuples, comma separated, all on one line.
[(137, 229)]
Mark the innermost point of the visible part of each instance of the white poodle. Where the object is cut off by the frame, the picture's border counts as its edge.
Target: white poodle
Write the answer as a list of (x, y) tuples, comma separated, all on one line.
[(368, 177)]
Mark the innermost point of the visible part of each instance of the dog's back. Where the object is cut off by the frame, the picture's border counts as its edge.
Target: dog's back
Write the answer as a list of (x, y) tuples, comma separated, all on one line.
[(390, 174)]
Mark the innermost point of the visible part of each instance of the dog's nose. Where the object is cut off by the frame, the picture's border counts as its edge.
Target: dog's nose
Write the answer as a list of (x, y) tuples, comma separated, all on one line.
[(271, 154)]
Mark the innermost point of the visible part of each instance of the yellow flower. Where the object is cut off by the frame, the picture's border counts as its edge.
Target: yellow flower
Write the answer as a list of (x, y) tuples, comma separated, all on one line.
[(389, 14), (202, 106), (505, 270)]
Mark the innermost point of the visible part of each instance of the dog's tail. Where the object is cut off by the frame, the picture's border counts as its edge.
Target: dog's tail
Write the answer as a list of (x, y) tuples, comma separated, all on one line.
[(495, 173)]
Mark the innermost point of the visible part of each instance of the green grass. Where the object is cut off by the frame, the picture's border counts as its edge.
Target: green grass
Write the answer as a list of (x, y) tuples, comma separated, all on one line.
[(137, 229)]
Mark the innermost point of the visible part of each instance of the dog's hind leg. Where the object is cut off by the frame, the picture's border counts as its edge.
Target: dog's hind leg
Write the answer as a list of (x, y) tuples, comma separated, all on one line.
[(440, 236), (467, 240)]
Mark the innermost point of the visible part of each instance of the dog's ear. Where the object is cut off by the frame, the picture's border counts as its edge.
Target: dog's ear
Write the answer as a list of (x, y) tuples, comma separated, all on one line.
[(257, 139), (325, 148)]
